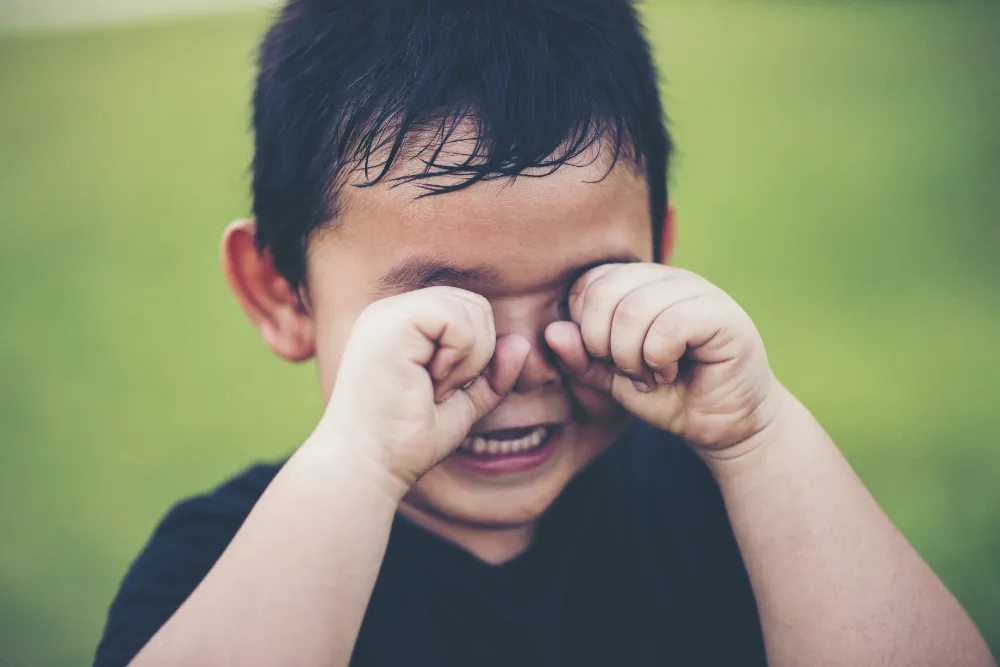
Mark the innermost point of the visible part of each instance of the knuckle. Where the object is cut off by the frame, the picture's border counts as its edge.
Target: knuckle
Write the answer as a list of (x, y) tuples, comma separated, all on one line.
[(595, 345), (480, 342), (626, 356), (575, 297), (587, 290), (475, 305), (464, 294), (686, 276), (629, 367), (662, 343), (597, 293), (628, 313), (483, 317), (665, 328), (478, 298), (463, 334)]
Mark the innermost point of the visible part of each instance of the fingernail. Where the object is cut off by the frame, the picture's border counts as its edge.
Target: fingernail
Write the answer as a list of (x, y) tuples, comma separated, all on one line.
[(659, 378), (447, 396), (640, 385)]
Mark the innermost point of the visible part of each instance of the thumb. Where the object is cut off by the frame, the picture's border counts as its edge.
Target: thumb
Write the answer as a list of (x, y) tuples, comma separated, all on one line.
[(565, 340), (473, 402), (591, 380)]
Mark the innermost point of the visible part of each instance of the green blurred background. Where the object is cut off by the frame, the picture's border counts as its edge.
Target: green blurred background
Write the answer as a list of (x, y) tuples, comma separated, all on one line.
[(838, 173)]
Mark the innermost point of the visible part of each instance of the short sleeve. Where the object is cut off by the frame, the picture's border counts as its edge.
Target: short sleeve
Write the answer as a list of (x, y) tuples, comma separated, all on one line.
[(183, 548)]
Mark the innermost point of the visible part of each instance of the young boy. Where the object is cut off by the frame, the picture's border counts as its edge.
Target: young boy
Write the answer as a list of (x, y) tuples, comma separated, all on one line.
[(542, 445)]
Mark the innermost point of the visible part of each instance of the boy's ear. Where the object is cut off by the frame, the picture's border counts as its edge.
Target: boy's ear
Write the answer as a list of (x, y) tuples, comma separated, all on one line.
[(668, 234), (270, 302)]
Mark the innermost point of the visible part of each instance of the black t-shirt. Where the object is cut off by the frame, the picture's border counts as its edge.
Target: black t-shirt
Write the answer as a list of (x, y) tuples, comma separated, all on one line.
[(634, 565)]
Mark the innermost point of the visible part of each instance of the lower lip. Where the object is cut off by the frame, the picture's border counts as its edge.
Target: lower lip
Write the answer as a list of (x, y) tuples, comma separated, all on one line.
[(512, 463)]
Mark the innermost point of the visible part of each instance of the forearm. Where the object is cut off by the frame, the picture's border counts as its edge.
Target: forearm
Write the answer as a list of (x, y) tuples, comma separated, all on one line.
[(292, 587), (835, 582)]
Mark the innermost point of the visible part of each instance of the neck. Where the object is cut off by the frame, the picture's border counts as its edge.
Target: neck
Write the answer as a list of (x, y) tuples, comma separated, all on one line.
[(493, 545)]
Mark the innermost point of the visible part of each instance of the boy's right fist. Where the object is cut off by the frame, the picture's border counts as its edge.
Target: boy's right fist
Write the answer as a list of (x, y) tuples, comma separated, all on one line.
[(419, 369)]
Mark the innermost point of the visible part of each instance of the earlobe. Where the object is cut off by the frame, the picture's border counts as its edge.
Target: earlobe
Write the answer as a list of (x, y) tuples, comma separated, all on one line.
[(668, 233), (270, 302)]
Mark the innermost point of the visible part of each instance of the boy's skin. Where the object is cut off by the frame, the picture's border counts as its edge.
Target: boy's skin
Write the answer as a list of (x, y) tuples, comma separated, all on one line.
[(564, 321)]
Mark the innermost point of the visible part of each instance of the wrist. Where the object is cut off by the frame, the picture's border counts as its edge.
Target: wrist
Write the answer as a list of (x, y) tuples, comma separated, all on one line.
[(779, 416), (350, 448)]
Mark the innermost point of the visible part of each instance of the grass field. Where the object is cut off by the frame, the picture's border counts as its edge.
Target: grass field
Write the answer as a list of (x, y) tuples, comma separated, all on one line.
[(838, 173)]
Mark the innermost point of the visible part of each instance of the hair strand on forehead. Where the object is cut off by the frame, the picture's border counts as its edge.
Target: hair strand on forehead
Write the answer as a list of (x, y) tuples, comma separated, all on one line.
[(476, 91)]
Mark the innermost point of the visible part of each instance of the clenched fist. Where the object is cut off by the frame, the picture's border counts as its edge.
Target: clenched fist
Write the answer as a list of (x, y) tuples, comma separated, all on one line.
[(672, 349), (419, 369)]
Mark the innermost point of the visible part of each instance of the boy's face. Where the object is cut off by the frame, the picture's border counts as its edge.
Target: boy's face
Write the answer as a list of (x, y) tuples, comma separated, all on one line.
[(521, 245)]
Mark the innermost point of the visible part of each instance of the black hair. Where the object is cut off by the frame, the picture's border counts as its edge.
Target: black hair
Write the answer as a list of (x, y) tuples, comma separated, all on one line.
[(345, 84)]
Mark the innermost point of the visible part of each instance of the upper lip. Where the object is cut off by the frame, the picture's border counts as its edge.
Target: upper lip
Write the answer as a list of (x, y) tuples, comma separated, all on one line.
[(521, 412)]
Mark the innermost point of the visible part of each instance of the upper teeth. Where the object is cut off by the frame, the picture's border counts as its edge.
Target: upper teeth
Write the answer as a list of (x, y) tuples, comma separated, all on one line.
[(481, 445)]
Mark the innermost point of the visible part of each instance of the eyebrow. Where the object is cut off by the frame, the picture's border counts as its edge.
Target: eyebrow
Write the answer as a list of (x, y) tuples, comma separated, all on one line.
[(417, 273)]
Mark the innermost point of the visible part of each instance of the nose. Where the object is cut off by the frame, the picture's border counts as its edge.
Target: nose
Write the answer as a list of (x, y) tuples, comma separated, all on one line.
[(539, 369), (528, 317)]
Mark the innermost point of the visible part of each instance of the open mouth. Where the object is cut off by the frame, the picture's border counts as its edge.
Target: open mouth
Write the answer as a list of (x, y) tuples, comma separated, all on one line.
[(508, 451), (507, 442)]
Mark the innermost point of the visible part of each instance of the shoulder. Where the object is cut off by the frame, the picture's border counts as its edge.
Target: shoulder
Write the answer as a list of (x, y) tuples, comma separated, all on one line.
[(183, 548)]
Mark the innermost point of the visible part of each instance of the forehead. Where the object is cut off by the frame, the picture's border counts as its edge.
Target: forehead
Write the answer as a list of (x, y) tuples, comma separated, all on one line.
[(522, 232)]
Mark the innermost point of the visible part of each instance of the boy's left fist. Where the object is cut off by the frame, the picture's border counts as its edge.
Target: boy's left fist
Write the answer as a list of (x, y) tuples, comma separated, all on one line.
[(672, 349)]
